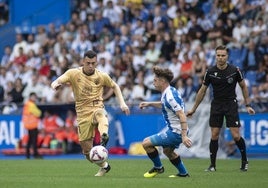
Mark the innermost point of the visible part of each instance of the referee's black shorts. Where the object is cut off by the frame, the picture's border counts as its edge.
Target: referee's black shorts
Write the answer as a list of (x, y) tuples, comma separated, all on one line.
[(224, 109)]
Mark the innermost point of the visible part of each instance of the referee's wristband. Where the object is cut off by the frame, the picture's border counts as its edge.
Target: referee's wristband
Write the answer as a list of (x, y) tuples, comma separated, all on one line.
[(247, 105)]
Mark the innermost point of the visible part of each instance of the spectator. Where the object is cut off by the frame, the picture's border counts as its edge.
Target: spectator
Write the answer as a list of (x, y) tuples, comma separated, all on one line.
[(33, 61), (140, 91), (31, 44), (168, 47), (186, 67), (20, 43), (256, 99), (41, 36), (5, 77), (252, 58), (259, 31), (70, 129), (113, 13), (16, 92), (5, 60), (80, 46), (33, 85), (189, 90), (195, 31), (198, 68), (21, 58), (152, 54), (139, 59), (84, 10), (105, 66), (175, 67), (100, 22), (52, 128)]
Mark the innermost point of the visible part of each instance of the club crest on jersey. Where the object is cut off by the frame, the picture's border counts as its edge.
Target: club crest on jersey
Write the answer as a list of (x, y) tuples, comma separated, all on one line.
[(215, 74), (97, 81), (230, 80)]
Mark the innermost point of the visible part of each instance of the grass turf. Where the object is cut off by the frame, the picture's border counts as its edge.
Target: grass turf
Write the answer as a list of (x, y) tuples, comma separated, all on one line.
[(128, 174)]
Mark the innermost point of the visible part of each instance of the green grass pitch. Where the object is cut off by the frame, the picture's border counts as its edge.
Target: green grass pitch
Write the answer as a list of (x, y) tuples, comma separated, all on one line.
[(129, 174)]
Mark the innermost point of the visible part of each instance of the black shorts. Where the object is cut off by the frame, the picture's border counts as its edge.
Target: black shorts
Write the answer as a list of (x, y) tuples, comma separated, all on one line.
[(224, 109)]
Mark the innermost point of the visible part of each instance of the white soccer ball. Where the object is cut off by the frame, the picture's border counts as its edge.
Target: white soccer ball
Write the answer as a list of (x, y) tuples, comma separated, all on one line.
[(98, 154)]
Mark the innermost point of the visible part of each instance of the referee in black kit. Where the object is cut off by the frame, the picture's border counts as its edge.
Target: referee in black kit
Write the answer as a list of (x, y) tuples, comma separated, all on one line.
[(223, 77)]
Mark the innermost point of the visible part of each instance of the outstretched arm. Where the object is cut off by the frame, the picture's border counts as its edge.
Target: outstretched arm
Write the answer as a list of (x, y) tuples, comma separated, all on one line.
[(156, 104), (199, 97), (56, 84)]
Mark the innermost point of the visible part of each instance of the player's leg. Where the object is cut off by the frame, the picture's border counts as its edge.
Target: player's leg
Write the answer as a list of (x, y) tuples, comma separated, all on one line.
[(86, 146), (28, 145), (175, 159), (213, 148), (86, 135), (240, 142), (34, 144), (233, 122), (153, 154), (215, 123), (101, 118)]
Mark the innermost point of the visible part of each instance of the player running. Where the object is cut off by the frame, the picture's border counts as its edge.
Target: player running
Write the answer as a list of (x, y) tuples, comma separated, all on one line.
[(176, 123), (87, 84)]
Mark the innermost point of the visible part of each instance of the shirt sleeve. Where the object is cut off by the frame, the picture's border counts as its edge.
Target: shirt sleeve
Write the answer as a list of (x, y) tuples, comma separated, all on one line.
[(240, 76), (107, 80), (206, 80)]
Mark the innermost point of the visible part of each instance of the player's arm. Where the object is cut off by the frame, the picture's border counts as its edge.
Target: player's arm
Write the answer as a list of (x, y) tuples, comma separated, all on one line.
[(184, 128), (156, 104), (120, 98), (245, 93), (199, 97), (56, 84)]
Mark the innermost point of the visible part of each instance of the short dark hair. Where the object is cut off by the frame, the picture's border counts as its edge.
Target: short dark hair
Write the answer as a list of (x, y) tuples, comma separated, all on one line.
[(222, 47), (90, 54), (32, 94), (163, 73)]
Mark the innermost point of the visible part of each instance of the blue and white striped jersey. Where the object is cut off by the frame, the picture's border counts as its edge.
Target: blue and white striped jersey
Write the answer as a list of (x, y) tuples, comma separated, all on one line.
[(171, 103)]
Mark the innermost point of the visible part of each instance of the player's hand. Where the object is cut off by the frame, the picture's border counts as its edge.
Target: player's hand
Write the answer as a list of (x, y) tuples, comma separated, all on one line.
[(187, 141), (125, 109), (190, 113), (250, 110)]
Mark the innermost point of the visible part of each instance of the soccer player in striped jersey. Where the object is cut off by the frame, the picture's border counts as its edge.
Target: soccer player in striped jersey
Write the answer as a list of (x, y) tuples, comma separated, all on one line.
[(176, 126)]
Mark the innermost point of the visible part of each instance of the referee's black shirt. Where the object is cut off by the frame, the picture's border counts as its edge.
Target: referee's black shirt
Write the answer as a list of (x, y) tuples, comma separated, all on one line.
[(223, 82)]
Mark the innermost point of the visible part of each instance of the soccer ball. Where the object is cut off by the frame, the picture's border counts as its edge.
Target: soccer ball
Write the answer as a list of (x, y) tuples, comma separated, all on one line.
[(98, 154)]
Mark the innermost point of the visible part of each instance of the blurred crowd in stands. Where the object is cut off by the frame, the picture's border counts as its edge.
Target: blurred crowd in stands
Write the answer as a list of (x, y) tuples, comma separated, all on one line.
[(130, 37)]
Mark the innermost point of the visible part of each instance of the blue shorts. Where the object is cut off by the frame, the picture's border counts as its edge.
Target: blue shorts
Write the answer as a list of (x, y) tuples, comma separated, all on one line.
[(166, 139)]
